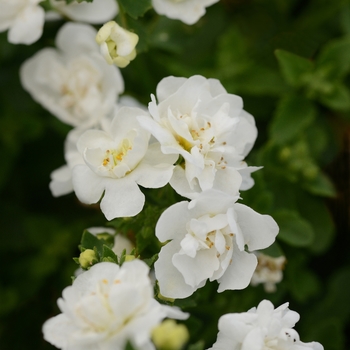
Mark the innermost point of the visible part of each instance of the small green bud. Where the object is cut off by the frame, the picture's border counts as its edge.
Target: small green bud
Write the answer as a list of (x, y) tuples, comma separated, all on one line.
[(87, 258), (130, 257), (170, 336)]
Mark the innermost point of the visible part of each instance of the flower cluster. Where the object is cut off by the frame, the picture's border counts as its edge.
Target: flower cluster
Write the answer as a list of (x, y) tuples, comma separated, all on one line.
[(106, 307), (261, 328), (194, 136)]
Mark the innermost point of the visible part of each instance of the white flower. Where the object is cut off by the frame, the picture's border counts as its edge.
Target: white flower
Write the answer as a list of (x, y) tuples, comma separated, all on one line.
[(269, 271), (61, 178), (209, 237), (261, 328), (187, 11), (106, 307), (117, 44), (23, 18), (98, 11), (117, 162), (73, 83), (197, 119)]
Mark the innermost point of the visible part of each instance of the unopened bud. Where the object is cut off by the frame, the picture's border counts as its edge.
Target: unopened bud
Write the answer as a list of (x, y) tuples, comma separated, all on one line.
[(117, 44), (170, 336), (87, 258)]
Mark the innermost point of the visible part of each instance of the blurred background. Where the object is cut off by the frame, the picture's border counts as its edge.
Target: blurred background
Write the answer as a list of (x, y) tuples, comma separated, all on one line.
[(290, 61)]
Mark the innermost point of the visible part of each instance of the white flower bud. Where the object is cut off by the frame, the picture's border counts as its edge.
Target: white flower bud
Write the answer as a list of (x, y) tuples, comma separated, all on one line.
[(117, 44)]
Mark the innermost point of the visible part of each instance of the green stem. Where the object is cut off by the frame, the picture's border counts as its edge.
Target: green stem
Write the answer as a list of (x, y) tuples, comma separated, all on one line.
[(122, 16)]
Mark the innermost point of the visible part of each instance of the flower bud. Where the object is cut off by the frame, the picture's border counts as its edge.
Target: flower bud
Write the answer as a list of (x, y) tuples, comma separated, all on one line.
[(117, 44), (170, 336), (87, 258), (129, 257)]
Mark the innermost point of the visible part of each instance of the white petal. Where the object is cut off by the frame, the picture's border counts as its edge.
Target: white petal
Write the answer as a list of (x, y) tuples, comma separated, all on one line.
[(122, 198), (99, 11), (171, 281), (28, 26), (57, 330), (76, 38), (259, 230), (239, 272), (172, 222), (61, 181), (198, 269), (87, 185), (167, 86)]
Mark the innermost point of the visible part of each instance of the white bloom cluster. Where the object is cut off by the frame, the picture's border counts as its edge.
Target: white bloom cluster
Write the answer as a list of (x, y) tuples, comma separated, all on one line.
[(198, 120), (116, 162), (209, 237), (261, 328), (73, 82), (106, 307), (187, 11)]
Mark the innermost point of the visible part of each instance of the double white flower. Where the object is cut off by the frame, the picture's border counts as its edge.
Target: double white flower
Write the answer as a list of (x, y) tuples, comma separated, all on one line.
[(73, 82), (106, 307), (261, 328), (211, 238), (198, 120), (116, 162)]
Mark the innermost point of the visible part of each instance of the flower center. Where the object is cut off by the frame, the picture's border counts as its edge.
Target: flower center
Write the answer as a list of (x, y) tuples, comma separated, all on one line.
[(114, 156)]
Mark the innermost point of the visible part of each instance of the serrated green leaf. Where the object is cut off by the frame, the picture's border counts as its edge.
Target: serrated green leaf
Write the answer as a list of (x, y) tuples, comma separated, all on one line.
[(151, 260), (321, 186), (108, 253), (293, 114), (293, 67), (334, 58), (135, 8), (294, 230)]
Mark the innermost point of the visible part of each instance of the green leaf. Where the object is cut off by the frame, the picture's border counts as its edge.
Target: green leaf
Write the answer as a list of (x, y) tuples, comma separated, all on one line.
[(293, 67), (321, 186), (89, 241), (151, 260), (294, 230), (303, 283), (197, 346), (334, 58), (294, 113), (108, 253), (274, 250), (135, 8), (337, 98), (316, 212)]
